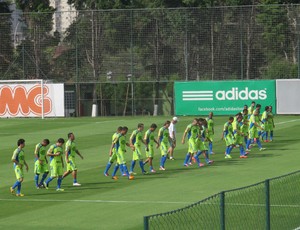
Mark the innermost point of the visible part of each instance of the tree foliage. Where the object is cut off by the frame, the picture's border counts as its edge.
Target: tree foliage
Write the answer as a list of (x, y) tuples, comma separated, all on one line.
[(157, 40), (6, 46)]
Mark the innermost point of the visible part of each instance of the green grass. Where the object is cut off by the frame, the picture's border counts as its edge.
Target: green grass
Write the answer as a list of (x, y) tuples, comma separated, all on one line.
[(102, 203)]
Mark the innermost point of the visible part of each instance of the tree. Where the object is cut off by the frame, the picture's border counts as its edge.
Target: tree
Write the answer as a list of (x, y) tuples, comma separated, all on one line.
[(279, 35), (95, 38), (6, 47), (38, 18)]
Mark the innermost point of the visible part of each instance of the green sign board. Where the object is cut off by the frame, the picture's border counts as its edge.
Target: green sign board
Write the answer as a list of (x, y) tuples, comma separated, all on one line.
[(222, 97)]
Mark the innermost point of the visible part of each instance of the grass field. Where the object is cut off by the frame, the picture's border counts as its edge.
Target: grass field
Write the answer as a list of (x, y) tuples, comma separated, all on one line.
[(101, 203)]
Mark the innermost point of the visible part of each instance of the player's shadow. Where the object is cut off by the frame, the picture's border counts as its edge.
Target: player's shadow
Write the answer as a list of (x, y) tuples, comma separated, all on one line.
[(282, 149), (82, 188), (151, 176), (47, 194), (260, 155), (228, 162), (287, 140), (94, 183)]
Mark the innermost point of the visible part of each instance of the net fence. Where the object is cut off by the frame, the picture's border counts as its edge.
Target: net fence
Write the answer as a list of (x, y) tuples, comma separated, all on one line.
[(93, 51), (243, 42), (271, 204)]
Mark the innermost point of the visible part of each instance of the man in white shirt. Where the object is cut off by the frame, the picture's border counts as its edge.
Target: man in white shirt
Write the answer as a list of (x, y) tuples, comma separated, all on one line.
[(172, 133)]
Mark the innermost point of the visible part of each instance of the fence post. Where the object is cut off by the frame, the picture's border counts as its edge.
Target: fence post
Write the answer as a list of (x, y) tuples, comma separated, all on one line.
[(267, 189), (146, 223), (222, 210)]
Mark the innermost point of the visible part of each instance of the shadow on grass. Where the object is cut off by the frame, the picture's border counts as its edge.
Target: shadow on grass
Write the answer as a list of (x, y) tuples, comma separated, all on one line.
[(82, 188), (48, 193), (258, 155)]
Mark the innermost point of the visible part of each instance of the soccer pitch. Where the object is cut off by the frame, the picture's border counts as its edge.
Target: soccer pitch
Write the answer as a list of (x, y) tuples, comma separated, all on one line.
[(102, 203)]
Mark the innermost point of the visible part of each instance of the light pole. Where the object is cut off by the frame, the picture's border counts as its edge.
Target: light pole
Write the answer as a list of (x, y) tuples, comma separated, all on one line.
[(109, 77), (15, 33), (20, 20), (130, 78)]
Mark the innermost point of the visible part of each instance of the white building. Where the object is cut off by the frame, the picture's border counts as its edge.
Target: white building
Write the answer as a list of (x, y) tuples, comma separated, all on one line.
[(63, 17)]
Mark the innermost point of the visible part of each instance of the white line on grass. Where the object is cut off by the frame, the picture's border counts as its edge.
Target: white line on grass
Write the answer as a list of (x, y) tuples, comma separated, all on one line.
[(98, 201), (147, 202), (284, 122), (98, 122)]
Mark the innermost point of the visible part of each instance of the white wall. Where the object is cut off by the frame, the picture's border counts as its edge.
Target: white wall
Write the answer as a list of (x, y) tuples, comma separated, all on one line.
[(288, 96)]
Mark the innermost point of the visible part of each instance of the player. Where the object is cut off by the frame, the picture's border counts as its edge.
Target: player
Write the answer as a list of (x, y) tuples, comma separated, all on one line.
[(210, 132), (202, 138), (251, 109), (253, 130), (192, 132), (264, 122), (136, 139), (245, 125), (55, 152), (120, 144), (113, 154), (71, 152), (239, 135), (245, 107), (172, 132), (164, 140), (149, 141), (19, 162), (227, 136), (271, 125), (41, 163)]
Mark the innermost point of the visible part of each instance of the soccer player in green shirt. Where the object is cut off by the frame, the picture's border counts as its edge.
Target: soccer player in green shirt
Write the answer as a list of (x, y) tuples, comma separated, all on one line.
[(264, 123), (227, 135), (164, 140), (136, 141), (19, 162), (71, 151), (55, 152), (271, 125), (238, 135), (149, 140), (245, 107), (245, 125), (113, 154), (210, 132), (201, 139), (253, 130), (120, 144), (192, 132), (41, 162), (251, 109)]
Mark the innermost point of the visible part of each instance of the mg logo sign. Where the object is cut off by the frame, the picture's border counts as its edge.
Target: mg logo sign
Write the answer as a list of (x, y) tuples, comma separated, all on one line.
[(19, 100)]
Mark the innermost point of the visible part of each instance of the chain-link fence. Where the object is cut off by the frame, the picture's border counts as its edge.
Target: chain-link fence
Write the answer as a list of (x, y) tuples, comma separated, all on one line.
[(157, 45), (120, 98), (272, 204)]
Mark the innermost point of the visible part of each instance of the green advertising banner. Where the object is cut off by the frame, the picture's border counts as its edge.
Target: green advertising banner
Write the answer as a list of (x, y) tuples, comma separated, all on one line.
[(222, 97)]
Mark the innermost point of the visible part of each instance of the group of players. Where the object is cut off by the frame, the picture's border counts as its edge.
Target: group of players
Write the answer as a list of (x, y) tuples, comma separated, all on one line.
[(246, 127), (41, 167), (249, 128), (166, 141)]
